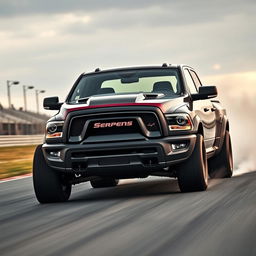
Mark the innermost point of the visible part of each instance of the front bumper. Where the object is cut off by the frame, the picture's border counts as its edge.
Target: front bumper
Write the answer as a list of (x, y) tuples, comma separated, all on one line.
[(116, 157)]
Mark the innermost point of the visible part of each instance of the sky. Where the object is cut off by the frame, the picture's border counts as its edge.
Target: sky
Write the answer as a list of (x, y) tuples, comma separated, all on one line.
[(48, 44)]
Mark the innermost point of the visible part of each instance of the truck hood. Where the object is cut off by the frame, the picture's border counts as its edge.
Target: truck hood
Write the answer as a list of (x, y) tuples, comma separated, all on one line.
[(167, 105)]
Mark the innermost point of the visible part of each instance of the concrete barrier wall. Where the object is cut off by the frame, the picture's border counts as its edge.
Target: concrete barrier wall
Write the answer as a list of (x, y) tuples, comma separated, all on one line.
[(20, 140)]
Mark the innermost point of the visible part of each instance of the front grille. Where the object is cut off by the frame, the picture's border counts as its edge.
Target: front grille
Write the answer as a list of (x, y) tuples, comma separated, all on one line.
[(112, 126), (76, 126), (120, 123)]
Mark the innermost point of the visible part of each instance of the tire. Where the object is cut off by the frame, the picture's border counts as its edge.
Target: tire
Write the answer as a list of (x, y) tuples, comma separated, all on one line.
[(193, 174), (221, 165), (48, 185), (104, 182)]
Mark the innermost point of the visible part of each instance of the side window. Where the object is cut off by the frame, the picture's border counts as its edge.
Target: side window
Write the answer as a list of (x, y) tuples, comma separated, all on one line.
[(195, 79), (190, 82)]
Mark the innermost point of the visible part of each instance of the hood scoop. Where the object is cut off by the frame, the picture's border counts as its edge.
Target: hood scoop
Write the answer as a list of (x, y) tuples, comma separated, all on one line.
[(148, 96), (112, 99), (83, 100), (120, 98)]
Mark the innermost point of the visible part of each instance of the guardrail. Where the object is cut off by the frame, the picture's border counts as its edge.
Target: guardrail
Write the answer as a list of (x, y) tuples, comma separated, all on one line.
[(20, 140)]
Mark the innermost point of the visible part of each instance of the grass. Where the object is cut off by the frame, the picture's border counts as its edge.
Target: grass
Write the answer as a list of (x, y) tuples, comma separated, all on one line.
[(16, 161)]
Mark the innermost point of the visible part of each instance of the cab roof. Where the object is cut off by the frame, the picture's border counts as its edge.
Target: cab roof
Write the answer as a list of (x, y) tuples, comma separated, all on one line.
[(163, 66)]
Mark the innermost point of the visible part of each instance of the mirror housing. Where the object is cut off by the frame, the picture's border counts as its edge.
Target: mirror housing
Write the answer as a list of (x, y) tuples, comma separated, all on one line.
[(205, 92), (52, 103)]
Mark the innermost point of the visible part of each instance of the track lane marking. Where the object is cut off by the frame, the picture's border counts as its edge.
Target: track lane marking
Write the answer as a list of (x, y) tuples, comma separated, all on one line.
[(20, 177)]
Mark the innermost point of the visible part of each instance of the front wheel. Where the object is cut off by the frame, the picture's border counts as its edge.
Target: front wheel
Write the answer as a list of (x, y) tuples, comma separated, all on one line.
[(193, 174), (49, 186)]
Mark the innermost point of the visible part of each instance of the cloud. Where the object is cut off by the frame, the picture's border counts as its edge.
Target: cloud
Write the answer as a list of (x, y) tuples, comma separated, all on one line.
[(216, 66), (48, 43), (187, 9)]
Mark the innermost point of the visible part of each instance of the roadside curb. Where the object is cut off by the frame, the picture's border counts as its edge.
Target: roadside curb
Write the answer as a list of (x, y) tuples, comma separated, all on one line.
[(19, 177)]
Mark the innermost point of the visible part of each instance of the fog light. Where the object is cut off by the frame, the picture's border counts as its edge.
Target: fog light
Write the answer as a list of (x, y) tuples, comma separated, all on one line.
[(179, 146), (54, 153)]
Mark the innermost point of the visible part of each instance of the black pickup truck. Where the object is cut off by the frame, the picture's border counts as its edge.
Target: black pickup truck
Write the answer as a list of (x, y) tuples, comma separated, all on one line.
[(131, 123)]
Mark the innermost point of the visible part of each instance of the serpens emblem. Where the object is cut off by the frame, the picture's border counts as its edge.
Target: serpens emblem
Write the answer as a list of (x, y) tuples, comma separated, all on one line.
[(112, 124)]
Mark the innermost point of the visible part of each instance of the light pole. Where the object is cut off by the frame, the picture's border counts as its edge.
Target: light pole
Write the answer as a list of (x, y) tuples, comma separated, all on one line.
[(37, 101), (9, 84), (25, 88)]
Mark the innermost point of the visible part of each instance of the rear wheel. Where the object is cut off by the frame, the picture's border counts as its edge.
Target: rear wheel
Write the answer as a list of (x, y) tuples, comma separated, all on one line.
[(193, 174), (221, 166), (104, 182), (49, 185)]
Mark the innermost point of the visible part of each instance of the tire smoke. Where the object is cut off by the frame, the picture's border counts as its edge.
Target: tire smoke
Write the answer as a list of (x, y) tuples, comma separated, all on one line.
[(237, 94)]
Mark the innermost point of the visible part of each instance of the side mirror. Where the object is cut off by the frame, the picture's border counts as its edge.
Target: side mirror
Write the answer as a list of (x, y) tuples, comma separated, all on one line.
[(52, 103), (205, 92)]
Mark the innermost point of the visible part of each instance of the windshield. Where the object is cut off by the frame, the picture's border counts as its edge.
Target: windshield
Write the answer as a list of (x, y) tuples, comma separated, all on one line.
[(164, 81)]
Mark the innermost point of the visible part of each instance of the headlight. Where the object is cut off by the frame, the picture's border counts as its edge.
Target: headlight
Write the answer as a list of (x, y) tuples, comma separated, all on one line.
[(179, 122), (54, 129)]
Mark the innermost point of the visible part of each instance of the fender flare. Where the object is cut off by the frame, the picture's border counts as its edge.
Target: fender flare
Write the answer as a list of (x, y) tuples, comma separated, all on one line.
[(198, 126), (223, 129)]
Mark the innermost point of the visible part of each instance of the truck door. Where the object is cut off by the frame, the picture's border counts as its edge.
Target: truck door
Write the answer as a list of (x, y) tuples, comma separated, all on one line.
[(203, 108)]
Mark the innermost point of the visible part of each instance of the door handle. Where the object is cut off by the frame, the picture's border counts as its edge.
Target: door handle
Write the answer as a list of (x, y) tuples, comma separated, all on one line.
[(206, 109)]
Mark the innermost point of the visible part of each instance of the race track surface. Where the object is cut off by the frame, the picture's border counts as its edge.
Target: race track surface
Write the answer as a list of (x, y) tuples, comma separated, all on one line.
[(140, 217)]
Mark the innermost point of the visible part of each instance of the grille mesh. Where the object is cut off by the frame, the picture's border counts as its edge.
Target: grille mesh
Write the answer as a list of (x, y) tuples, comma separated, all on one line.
[(78, 123)]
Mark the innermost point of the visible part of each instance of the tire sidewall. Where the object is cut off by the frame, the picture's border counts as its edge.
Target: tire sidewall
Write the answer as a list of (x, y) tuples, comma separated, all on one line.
[(193, 174), (48, 185)]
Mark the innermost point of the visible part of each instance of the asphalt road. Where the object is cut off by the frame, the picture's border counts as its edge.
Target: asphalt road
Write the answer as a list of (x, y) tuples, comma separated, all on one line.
[(145, 217)]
